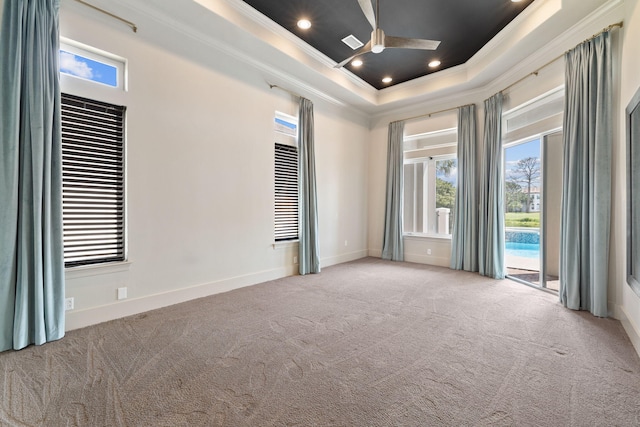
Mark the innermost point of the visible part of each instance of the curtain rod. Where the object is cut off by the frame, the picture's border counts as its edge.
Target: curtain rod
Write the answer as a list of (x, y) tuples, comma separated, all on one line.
[(129, 23), (535, 73), (283, 89)]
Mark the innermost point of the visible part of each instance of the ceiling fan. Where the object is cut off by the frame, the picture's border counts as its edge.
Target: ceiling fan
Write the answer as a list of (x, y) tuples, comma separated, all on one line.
[(379, 41)]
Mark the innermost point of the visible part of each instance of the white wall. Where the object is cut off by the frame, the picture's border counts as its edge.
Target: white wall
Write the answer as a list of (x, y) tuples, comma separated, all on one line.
[(200, 173), (626, 304)]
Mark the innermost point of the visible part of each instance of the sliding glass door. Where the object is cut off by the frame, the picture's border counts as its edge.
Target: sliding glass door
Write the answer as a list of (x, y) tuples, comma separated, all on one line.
[(523, 189), (533, 173)]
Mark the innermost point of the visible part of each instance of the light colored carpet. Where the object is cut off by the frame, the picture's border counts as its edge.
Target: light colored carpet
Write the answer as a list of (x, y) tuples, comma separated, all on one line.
[(367, 343)]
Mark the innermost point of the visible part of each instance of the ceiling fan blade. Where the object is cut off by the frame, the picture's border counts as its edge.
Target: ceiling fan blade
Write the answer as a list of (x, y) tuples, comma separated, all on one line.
[(364, 49), (367, 9), (403, 42)]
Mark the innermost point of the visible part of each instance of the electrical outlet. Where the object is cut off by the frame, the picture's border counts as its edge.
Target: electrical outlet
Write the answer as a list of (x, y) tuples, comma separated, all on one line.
[(122, 293), (295, 259), (429, 251), (68, 304), (345, 243)]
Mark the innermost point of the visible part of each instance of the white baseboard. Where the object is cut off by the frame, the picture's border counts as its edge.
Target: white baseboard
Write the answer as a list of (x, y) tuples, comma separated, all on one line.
[(427, 259), (375, 253), (91, 316), (632, 330), (417, 258), (339, 259)]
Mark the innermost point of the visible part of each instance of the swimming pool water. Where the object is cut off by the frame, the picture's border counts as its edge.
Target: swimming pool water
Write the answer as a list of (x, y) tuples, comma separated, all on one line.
[(525, 250)]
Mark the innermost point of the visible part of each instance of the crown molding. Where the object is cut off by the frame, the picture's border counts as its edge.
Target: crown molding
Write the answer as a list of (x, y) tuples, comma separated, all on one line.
[(605, 15), (274, 74), (490, 70)]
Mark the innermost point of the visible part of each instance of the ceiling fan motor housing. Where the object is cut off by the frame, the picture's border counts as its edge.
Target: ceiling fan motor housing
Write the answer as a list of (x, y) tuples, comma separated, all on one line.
[(377, 40)]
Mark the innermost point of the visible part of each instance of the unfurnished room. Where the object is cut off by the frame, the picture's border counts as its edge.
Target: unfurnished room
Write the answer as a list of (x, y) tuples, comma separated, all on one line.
[(319, 213)]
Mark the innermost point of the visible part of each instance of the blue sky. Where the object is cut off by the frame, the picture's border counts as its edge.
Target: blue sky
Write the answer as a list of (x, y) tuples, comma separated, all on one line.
[(521, 151), (88, 69)]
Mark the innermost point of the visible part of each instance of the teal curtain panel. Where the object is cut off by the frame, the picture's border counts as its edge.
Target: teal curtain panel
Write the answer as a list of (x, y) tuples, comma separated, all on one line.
[(464, 239), (392, 245), (31, 254), (491, 217), (586, 195), (308, 252)]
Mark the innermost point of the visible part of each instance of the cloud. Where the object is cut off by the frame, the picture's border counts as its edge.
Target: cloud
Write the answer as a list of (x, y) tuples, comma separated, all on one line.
[(70, 64)]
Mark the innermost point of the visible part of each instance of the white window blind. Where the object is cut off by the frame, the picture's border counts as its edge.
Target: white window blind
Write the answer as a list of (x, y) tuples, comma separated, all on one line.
[(92, 181)]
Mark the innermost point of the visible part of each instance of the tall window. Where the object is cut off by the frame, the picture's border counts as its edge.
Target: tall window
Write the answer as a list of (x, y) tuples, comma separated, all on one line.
[(92, 181), (286, 178), (430, 181)]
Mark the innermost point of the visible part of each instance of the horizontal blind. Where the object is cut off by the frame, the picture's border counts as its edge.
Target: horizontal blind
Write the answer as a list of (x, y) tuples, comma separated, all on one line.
[(92, 181), (286, 197)]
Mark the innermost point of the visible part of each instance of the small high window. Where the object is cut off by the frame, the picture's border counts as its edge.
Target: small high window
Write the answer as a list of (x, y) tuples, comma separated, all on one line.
[(87, 63), (286, 177)]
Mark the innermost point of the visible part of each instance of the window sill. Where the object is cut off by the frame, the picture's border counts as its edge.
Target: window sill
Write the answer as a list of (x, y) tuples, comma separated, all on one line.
[(286, 244), (96, 269), (420, 236)]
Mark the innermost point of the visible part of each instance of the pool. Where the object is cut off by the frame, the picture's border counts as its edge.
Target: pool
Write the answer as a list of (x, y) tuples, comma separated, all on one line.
[(525, 250)]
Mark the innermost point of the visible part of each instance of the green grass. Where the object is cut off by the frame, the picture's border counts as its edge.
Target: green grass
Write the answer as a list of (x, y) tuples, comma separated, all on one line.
[(522, 219)]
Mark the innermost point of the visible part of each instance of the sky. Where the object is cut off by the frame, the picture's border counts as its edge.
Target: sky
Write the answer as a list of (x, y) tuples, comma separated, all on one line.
[(88, 69), (453, 174), (521, 151)]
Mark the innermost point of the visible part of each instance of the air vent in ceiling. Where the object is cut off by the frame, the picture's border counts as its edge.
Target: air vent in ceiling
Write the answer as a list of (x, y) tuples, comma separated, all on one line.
[(352, 42)]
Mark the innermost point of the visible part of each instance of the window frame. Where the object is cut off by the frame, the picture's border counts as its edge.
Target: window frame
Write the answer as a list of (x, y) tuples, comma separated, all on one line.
[(429, 190), (283, 231), (94, 54)]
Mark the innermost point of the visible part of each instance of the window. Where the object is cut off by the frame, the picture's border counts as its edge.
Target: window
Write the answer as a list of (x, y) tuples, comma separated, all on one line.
[(286, 178), (87, 63), (430, 181), (92, 181)]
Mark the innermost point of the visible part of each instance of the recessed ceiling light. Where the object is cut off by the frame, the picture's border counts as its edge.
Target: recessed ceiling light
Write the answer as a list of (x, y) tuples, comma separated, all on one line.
[(434, 63), (515, 1), (356, 62), (387, 80), (305, 24)]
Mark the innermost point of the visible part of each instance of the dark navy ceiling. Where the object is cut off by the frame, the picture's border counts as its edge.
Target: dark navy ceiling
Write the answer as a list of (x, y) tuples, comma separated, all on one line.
[(462, 26)]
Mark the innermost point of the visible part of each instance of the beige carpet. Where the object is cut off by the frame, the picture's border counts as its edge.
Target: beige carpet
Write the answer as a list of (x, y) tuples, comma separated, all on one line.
[(368, 343)]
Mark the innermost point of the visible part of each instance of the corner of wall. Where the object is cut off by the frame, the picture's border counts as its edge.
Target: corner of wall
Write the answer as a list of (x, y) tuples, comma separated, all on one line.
[(630, 327)]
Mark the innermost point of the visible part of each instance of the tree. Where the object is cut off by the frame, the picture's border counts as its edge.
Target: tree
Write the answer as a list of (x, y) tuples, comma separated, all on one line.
[(526, 171), (446, 198), (446, 166), (446, 190), (445, 194), (514, 197)]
